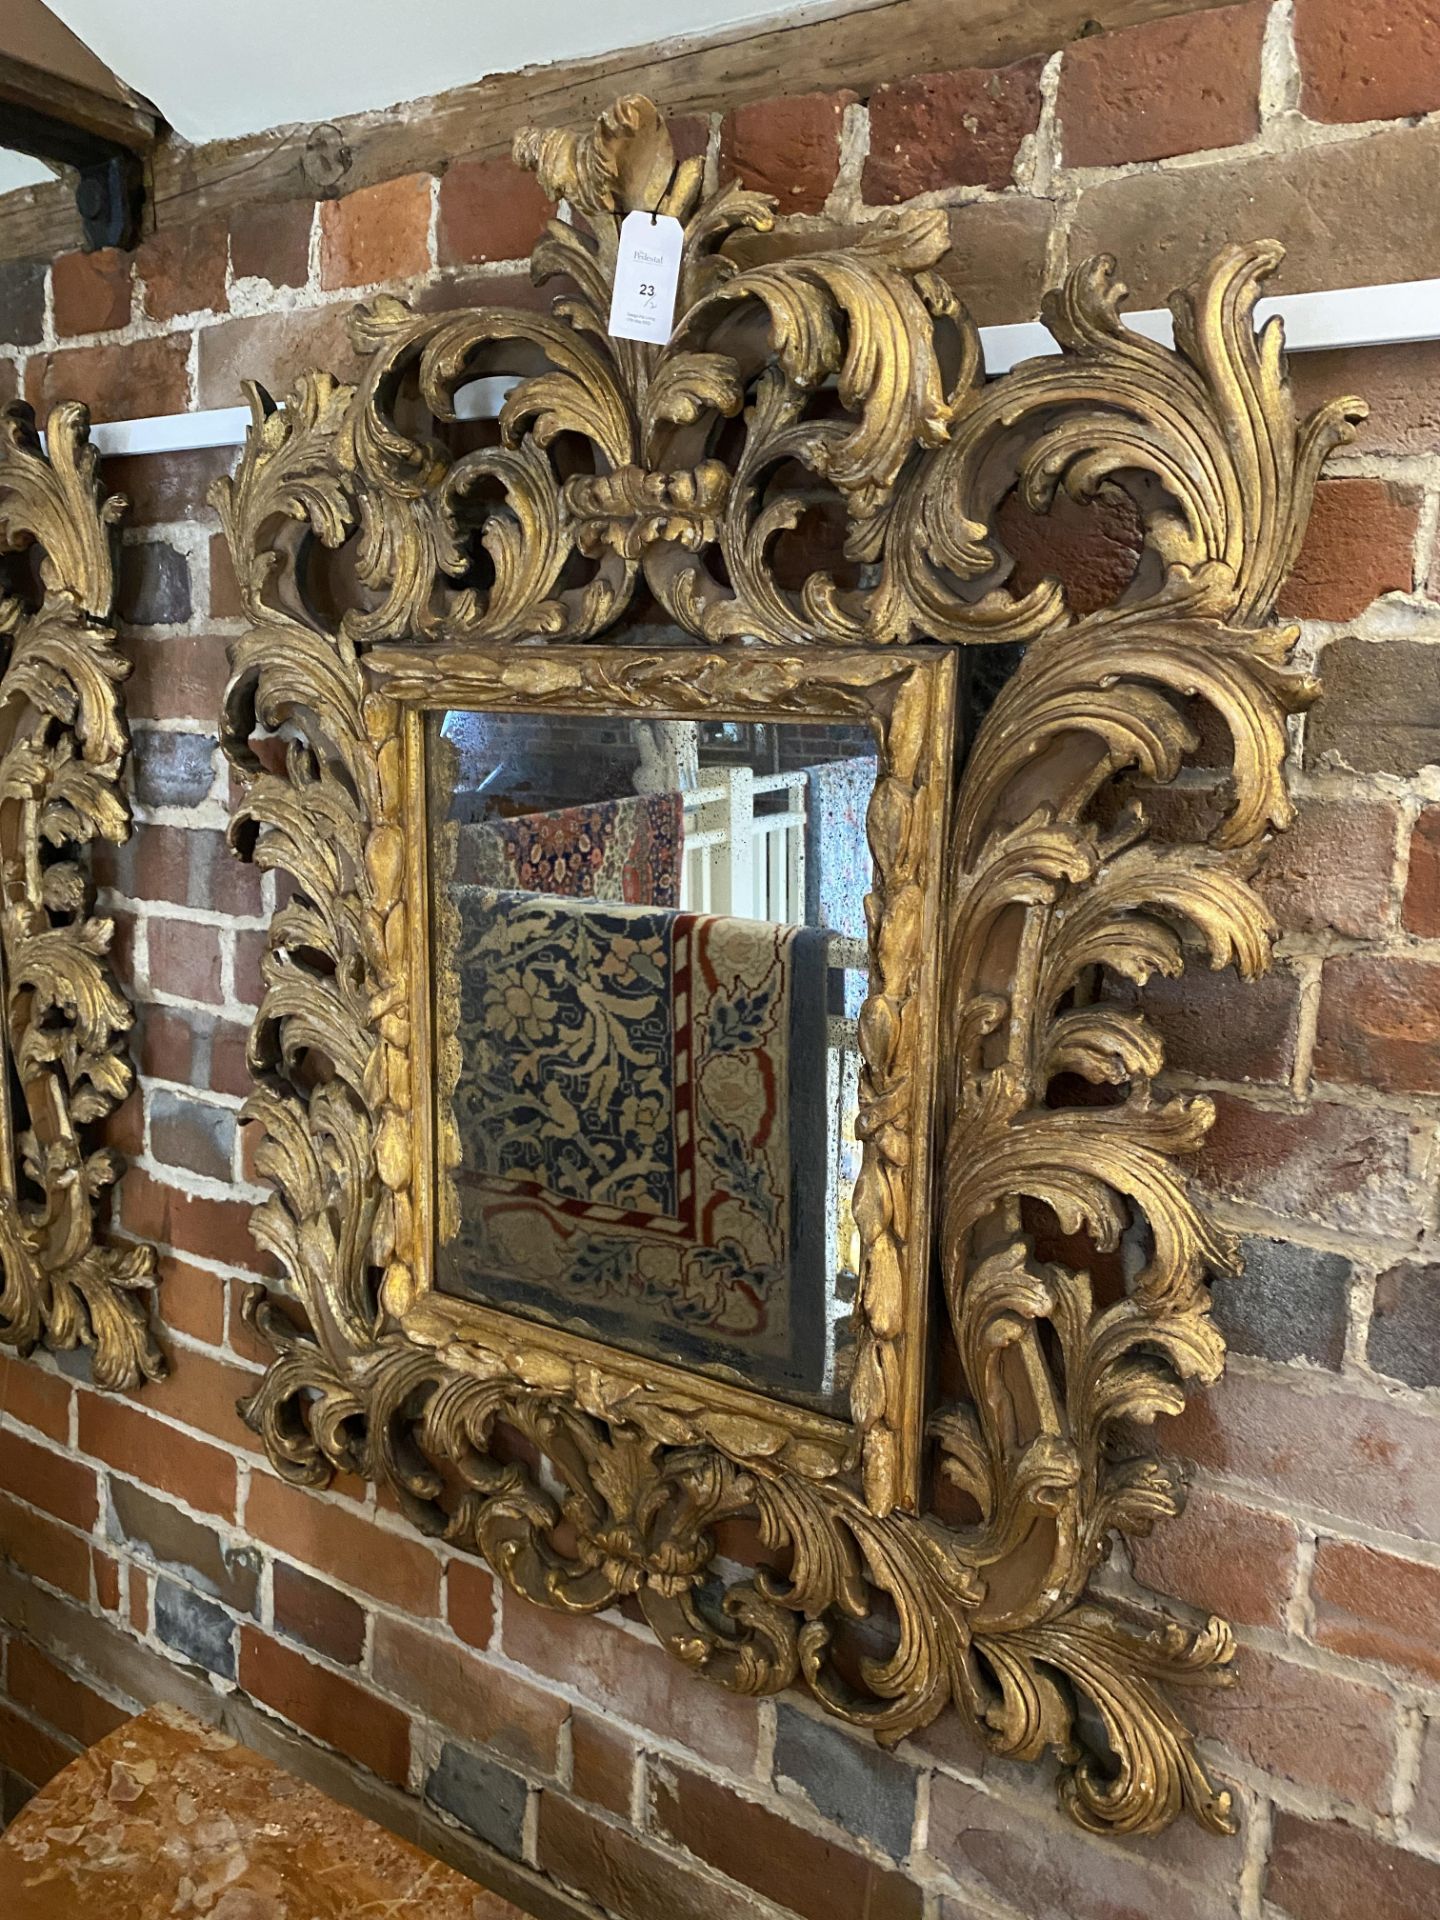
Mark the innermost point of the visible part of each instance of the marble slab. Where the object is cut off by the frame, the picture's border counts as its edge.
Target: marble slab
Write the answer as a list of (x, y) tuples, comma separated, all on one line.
[(167, 1819)]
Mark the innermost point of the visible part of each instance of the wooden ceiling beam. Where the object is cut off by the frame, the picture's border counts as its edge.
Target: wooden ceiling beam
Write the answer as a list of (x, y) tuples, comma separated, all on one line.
[(103, 140), (819, 48)]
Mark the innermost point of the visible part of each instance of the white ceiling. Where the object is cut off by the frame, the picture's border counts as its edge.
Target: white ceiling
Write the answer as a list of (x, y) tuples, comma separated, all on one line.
[(19, 170), (216, 68)]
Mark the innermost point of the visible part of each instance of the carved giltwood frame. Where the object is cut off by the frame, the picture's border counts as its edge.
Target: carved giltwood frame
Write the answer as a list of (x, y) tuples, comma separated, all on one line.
[(853, 372), (63, 747)]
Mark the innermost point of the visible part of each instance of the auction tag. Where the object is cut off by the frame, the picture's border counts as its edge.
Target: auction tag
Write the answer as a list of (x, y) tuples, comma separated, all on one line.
[(647, 274)]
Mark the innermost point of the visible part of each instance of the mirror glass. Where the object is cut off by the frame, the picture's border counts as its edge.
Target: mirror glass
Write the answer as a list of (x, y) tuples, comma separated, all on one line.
[(650, 950)]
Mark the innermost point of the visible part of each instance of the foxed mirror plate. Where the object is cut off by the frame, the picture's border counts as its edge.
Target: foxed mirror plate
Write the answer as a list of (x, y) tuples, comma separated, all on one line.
[(656, 934)]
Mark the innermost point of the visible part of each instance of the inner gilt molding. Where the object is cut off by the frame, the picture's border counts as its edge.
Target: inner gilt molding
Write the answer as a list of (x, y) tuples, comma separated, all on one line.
[(856, 373)]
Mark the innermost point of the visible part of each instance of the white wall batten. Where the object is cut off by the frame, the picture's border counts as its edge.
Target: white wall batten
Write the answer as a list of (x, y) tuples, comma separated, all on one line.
[(1341, 317)]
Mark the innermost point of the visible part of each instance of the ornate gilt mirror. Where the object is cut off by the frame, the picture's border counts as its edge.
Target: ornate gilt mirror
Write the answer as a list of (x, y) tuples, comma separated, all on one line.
[(695, 1081), (63, 750)]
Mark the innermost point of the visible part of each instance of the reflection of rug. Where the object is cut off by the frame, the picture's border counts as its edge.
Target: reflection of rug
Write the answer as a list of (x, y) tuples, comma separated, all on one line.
[(641, 1106), (624, 850)]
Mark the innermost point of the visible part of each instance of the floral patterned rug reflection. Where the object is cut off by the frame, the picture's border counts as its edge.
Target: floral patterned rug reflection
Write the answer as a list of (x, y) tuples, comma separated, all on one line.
[(641, 1107)]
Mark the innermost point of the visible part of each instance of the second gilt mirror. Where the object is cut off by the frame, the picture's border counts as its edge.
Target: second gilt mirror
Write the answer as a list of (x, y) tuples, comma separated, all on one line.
[(702, 1089)]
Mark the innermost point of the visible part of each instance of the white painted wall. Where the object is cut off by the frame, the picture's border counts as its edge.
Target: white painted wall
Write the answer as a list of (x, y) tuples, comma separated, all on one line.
[(216, 68)]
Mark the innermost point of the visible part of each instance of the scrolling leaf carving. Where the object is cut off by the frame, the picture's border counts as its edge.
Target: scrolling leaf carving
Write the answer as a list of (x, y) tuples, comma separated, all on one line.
[(851, 376), (63, 746)]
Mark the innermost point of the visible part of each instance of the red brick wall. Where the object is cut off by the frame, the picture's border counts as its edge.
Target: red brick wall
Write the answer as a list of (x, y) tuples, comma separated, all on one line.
[(148, 1542)]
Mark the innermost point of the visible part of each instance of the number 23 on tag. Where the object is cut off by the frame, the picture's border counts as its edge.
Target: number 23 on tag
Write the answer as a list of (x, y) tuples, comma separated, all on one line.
[(647, 275)]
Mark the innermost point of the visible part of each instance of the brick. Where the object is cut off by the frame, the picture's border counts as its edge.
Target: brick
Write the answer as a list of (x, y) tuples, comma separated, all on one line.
[(1322, 1870), (1217, 1025), (1404, 1326), (997, 258), (229, 1069), (69, 1705), (489, 210), (1400, 385), (106, 1572), (22, 301), (624, 1875), (274, 349), (183, 269), (377, 234), (91, 291), (225, 602), (53, 1481), (154, 586), (788, 147), (184, 959), (181, 677), (1048, 1872), (344, 1545), (1360, 544), (1376, 1607), (852, 1783), (484, 1705), (635, 1680), (318, 1615), (1357, 1456), (191, 867), (272, 243), (1333, 1163), (1222, 1557), (196, 1628), (1164, 226), (250, 950), (1364, 63), (470, 1601), (486, 1798), (126, 381), (1379, 710), (164, 1537), (162, 1457), (172, 769), (9, 390), (958, 129), (1165, 87), (30, 1750), (189, 1133), (1379, 1023), (1311, 1728), (163, 488), (44, 1549), (801, 1871), (1291, 1303), (325, 1705), (1092, 547), (1421, 911), (602, 1763), (31, 1396), (1333, 870)]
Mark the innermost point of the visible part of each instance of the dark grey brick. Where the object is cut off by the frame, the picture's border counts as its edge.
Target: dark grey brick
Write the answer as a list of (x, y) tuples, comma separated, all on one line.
[(197, 1628), (172, 769), (1291, 1303), (165, 1537), (22, 302), (1405, 1326), (193, 1134), (154, 585), (483, 1796), (852, 1782)]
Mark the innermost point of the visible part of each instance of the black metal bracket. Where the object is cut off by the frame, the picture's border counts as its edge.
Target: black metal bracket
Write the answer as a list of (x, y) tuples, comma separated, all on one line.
[(104, 139)]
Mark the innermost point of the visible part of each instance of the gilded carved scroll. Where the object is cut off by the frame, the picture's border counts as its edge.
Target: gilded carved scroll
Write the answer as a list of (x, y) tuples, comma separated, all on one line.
[(63, 747), (853, 377)]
